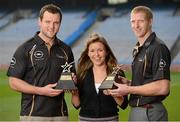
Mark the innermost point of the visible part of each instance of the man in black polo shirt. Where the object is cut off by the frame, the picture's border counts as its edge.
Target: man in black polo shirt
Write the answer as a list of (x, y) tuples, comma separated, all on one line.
[(150, 71), (36, 67)]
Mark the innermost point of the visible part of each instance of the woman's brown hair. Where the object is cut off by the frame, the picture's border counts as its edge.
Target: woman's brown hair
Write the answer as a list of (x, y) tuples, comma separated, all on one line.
[(84, 62)]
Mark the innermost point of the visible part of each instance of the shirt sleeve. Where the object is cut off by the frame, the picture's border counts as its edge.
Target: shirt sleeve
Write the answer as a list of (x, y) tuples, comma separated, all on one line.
[(161, 63), (18, 63)]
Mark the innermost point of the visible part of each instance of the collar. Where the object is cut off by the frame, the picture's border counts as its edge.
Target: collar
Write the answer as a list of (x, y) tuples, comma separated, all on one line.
[(39, 40), (149, 40), (145, 45)]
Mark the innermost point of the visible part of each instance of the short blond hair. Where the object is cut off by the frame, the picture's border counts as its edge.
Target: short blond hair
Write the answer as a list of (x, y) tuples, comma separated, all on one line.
[(148, 12)]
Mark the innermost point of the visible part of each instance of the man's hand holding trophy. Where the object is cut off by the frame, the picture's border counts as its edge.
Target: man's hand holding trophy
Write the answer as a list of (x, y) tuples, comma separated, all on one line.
[(116, 77)]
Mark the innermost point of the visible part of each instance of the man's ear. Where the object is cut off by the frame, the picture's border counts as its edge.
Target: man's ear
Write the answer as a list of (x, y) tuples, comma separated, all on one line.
[(39, 22), (151, 22)]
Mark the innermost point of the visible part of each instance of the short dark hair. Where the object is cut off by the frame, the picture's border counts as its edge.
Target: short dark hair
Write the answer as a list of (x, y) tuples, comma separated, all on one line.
[(50, 8)]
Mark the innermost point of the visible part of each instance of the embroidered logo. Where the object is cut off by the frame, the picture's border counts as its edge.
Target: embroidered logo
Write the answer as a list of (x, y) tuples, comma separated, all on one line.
[(59, 56), (38, 54), (13, 61), (162, 64)]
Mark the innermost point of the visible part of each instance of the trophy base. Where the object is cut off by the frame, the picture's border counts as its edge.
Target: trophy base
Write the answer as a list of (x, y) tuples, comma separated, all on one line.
[(65, 82), (108, 82)]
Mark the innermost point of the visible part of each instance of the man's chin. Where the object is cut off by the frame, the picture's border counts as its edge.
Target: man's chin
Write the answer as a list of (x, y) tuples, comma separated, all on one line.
[(51, 36)]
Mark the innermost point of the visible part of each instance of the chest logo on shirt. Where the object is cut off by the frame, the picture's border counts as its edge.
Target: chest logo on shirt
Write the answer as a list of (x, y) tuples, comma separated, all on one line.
[(59, 56), (162, 63), (38, 54), (140, 60)]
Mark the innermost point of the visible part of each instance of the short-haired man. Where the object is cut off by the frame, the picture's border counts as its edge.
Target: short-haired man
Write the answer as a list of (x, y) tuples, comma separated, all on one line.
[(36, 67), (150, 71)]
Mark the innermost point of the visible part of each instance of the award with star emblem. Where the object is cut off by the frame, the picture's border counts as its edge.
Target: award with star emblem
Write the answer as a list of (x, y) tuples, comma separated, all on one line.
[(108, 82), (65, 81)]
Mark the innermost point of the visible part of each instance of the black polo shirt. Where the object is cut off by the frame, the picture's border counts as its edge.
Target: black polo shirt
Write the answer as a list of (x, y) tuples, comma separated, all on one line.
[(151, 62), (34, 64)]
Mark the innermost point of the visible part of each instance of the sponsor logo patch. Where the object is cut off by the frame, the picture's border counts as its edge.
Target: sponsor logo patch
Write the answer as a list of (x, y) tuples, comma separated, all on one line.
[(162, 64), (38, 54), (13, 61)]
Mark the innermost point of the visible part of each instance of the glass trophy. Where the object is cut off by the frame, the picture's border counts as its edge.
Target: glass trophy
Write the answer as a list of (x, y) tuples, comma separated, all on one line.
[(65, 81), (108, 82)]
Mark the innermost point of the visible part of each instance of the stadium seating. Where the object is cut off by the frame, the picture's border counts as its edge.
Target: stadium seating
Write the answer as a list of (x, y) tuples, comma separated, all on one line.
[(116, 29)]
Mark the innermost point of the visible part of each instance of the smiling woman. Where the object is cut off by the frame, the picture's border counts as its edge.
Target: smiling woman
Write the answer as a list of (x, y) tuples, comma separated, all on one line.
[(94, 65)]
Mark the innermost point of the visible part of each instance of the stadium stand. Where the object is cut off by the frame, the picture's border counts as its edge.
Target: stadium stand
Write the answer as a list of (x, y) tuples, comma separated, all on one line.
[(115, 28), (70, 22), (15, 33)]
